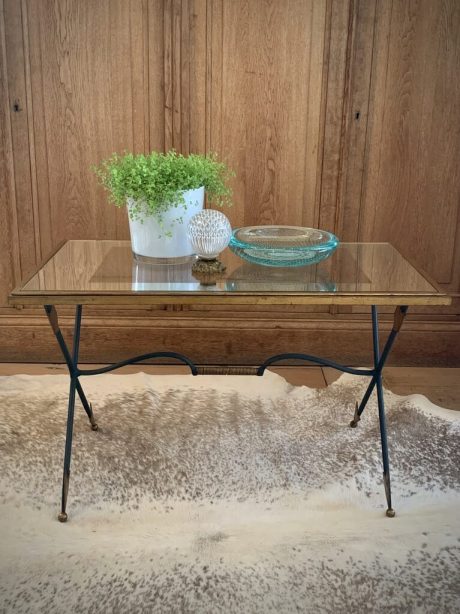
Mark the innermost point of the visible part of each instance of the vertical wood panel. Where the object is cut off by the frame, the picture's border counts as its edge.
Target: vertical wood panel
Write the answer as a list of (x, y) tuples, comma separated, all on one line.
[(91, 101), (9, 253), (338, 32), (315, 116), (197, 75), (215, 15), (355, 120), (138, 45), (157, 57), (266, 58), (176, 73), (30, 128), (168, 77), (185, 26), (16, 71), (412, 185)]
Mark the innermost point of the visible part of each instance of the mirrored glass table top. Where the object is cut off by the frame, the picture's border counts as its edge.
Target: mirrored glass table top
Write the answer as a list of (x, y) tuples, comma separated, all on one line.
[(105, 272)]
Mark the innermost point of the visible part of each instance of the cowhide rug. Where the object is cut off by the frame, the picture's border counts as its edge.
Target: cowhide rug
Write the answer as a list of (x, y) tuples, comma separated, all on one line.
[(225, 494)]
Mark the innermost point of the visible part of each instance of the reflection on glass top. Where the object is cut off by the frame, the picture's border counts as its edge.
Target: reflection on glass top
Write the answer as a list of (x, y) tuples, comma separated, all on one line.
[(109, 267)]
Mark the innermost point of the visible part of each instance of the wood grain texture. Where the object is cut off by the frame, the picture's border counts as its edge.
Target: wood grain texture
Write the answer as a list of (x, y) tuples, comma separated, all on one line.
[(16, 61), (397, 155), (441, 386), (273, 87), (339, 20), (9, 253), (185, 56), (266, 73), (355, 119), (197, 75), (88, 81), (157, 49), (208, 341), (412, 185)]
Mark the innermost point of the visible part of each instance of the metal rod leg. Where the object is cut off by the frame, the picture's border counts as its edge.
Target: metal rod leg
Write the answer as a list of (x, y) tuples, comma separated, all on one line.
[(76, 349), (383, 437), (71, 361), (379, 363), (375, 342), (381, 404), (75, 386), (87, 406), (360, 408), (399, 316), (62, 517)]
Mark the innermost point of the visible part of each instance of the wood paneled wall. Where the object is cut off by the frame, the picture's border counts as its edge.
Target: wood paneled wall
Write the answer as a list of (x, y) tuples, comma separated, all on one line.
[(342, 114)]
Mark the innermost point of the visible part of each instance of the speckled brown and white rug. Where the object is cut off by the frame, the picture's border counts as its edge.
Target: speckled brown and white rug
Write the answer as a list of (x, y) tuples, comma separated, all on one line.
[(225, 494)]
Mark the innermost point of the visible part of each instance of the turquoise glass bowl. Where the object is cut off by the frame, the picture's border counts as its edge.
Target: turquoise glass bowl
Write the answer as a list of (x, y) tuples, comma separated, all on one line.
[(282, 246)]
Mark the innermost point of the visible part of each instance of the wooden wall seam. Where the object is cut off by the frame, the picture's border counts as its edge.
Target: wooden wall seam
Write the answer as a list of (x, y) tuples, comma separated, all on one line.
[(383, 16), (168, 78), (158, 82), (334, 101), (146, 39), (355, 119), (20, 152), (366, 140), (46, 218), (345, 110), (30, 128), (333, 86), (10, 230)]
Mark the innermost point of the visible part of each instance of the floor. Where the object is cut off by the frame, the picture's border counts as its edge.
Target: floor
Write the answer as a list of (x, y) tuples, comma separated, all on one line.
[(441, 386)]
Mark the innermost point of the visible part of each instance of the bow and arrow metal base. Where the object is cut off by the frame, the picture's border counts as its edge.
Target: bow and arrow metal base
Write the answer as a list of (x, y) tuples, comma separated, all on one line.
[(71, 359), (75, 386)]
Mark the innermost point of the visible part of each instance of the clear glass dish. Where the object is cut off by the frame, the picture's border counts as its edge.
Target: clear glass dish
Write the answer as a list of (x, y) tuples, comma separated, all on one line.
[(282, 246)]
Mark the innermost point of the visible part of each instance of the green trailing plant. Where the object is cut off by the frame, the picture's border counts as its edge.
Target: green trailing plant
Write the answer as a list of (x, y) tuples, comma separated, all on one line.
[(156, 181)]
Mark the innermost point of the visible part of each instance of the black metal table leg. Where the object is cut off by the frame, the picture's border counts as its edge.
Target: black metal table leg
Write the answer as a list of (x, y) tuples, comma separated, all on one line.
[(399, 316), (72, 364), (379, 363), (87, 406), (381, 405), (383, 438), (75, 386), (376, 381), (70, 414), (62, 516)]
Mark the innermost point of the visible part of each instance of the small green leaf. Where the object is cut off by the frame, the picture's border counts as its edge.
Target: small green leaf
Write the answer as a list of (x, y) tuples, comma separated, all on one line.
[(156, 181)]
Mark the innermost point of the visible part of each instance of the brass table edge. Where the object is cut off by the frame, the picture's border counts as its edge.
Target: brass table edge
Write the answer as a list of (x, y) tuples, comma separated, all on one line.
[(89, 298)]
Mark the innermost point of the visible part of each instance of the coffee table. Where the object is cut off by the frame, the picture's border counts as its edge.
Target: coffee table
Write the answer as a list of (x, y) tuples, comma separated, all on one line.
[(105, 273)]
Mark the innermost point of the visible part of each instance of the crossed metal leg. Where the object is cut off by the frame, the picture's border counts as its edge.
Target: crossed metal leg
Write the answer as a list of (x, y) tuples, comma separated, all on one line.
[(379, 362), (376, 382), (75, 386)]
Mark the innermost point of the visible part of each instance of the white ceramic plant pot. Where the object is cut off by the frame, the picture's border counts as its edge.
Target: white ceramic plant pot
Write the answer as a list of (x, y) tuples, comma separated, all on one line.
[(150, 239)]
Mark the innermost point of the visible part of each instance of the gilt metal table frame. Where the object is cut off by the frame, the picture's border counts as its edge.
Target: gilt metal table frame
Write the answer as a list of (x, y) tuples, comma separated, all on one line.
[(71, 359)]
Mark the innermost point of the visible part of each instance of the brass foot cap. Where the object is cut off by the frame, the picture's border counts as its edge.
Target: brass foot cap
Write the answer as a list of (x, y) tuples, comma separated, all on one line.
[(390, 512), (353, 424), (62, 517), (94, 427)]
